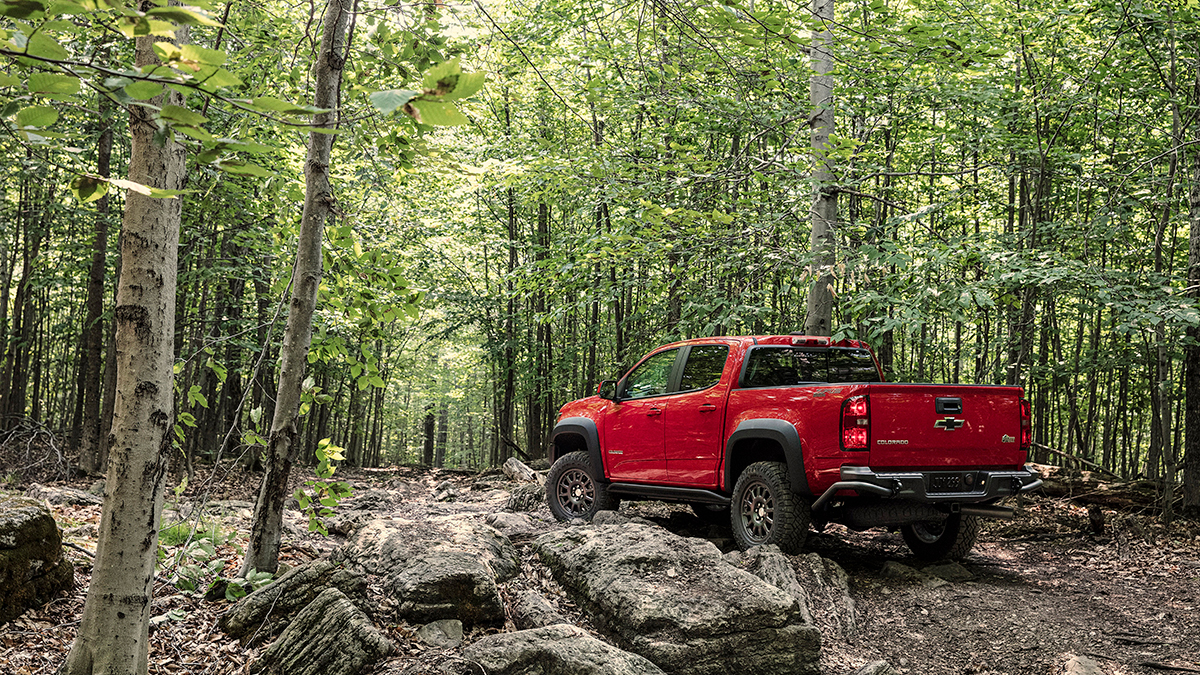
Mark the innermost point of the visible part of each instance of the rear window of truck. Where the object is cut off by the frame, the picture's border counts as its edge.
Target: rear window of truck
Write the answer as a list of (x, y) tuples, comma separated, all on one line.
[(785, 366)]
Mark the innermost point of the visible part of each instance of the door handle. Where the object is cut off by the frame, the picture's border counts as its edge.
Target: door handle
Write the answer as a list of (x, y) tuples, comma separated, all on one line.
[(653, 412), (707, 407)]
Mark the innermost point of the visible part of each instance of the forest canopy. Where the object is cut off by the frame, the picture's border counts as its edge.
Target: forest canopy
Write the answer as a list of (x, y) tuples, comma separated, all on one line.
[(528, 196)]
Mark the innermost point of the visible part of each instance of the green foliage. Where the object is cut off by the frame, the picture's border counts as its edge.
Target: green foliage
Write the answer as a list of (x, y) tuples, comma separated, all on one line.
[(189, 552), (239, 588), (318, 497)]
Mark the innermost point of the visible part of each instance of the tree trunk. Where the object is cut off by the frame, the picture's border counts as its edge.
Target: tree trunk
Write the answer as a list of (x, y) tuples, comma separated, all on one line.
[(819, 319), (430, 424), (1191, 419), (262, 552), (113, 631), (87, 424)]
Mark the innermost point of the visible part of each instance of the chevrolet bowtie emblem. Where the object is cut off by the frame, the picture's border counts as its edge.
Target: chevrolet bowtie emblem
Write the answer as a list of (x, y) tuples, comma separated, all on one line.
[(949, 423)]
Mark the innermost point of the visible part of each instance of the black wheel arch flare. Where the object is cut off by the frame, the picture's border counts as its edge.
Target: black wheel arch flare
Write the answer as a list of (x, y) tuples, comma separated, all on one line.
[(578, 428), (781, 432)]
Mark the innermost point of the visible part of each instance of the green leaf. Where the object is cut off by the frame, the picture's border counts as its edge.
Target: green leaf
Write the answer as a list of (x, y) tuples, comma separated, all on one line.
[(39, 116), (468, 85), (7, 80), (174, 113), (436, 113), (43, 46), (53, 83), (269, 104), (391, 100), (183, 15), (239, 168), (143, 91), (212, 77), (209, 57), (441, 71), (21, 9), (88, 188)]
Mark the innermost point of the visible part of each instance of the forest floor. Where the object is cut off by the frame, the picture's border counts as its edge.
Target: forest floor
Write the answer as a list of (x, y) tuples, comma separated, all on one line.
[(1042, 588)]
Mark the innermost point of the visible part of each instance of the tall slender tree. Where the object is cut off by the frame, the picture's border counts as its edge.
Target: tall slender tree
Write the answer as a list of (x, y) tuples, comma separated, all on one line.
[(824, 214), (320, 205), (113, 631)]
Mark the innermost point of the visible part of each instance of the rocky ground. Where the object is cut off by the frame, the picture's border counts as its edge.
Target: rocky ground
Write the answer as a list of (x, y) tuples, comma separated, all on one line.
[(1040, 594)]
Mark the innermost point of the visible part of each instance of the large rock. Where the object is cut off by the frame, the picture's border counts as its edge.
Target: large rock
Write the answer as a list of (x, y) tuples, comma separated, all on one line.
[(448, 570), (828, 588), (526, 497), (265, 612), (447, 585), (772, 566), (331, 636), (553, 650), (63, 495), (32, 566), (531, 610), (677, 602)]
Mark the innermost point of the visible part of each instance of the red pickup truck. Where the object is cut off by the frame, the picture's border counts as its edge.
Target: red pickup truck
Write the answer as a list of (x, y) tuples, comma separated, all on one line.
[(777, 433)]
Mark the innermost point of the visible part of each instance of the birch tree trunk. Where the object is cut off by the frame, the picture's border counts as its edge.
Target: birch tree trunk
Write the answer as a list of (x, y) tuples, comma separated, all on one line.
[(262, 552), (819, 319), (112, 636)]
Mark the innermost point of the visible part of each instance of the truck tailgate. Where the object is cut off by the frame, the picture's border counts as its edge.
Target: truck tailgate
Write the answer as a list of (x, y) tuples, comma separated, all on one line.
[(924, 425)]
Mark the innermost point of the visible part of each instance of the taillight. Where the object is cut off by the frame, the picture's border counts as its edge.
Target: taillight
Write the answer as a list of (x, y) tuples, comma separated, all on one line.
[(856, 423), (1026, 425)]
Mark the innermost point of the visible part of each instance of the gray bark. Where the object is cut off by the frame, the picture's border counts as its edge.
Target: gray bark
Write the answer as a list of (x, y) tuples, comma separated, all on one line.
[(262, 551), (819, 320), (112, 636)]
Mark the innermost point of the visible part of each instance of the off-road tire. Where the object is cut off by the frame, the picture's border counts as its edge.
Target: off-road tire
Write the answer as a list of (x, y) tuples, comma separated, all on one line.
[(572, 492), (713, 514), (950, 539), (766, 511)]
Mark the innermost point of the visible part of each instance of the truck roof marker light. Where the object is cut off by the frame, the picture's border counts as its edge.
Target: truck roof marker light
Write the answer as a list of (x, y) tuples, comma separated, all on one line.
[(809, 340), (856, 423)]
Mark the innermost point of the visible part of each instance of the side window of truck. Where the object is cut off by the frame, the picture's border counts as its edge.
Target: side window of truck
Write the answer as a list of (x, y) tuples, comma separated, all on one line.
[(783, 366), (704, 366), (652, 376)]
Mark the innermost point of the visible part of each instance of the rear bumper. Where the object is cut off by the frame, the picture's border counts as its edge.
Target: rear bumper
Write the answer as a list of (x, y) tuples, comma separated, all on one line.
[(934, 487)]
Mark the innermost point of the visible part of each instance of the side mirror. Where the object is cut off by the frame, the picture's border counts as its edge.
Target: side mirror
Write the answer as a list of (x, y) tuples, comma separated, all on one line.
[(607, 390)]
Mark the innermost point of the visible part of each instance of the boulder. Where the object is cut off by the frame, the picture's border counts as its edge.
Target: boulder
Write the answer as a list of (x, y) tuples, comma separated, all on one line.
[(904, 573), (445, 634), (679, 603), (526, 497), (516, 470), (265, 612), (531, 610), (553, 650), (772, 566), (63, 495), (373, 499), (950, 571), (828, 589), (443, 570), (447, 585), (32, 566), (330, 636), (511, 523)]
